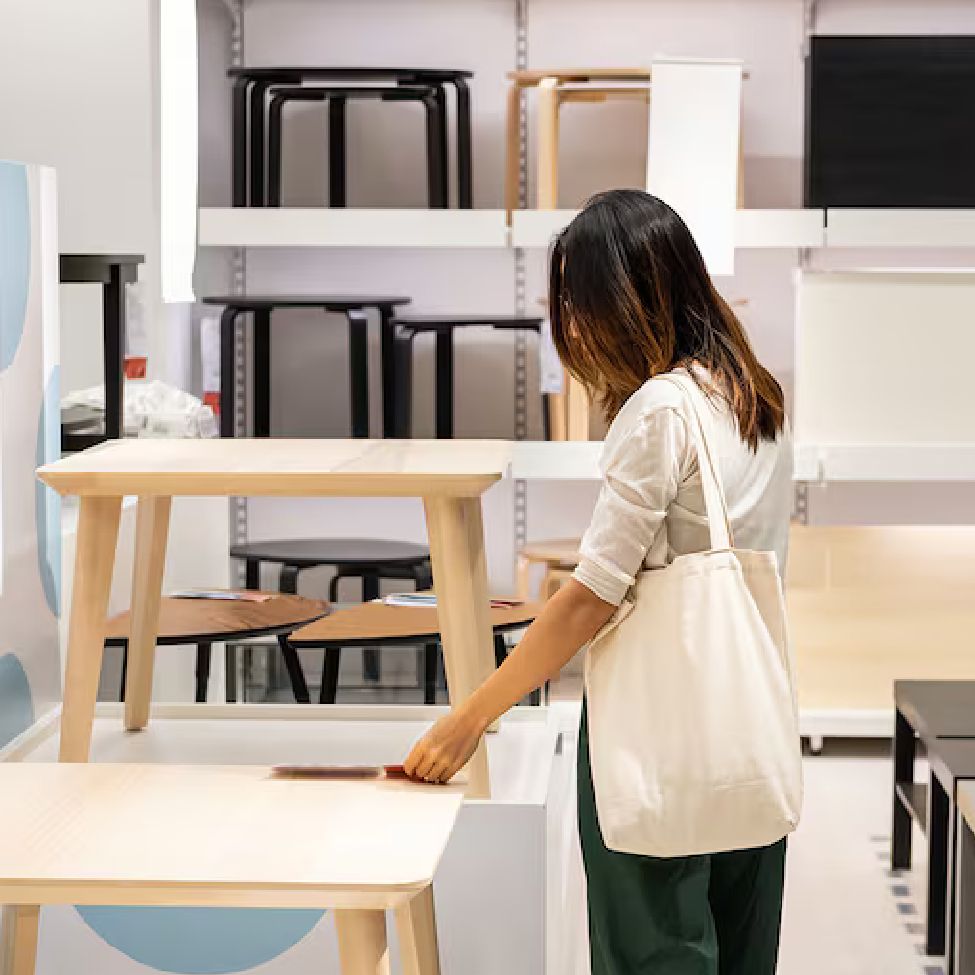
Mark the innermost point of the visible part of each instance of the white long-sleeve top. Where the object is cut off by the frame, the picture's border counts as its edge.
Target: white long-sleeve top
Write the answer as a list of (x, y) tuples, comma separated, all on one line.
[(651, 506)]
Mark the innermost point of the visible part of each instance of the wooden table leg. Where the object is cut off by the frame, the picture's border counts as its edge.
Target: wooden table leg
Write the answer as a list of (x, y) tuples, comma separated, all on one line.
[(152, 530), (456, 537), (98, 520), (577, 407), (362, 942), (20, 927), (523, 578), (512, 149), (548, 144), (416, 925)]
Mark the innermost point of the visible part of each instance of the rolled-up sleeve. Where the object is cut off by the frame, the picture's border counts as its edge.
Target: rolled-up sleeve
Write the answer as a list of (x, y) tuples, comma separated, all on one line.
[(641, 466)]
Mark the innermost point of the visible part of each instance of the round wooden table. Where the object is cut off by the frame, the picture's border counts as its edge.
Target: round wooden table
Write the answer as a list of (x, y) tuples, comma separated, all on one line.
[(377, 624), (208, 621)]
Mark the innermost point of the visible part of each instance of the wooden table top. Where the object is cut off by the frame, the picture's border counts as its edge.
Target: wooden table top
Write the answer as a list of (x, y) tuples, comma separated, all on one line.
[(533, 76), (288, 468), (376, 622), (224, 836), (203, 620)]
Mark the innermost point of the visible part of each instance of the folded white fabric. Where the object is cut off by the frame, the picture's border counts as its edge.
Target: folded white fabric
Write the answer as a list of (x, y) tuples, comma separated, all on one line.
[(153, 409)]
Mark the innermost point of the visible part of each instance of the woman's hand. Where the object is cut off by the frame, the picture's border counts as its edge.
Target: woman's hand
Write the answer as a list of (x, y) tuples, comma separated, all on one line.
[(445, 749)]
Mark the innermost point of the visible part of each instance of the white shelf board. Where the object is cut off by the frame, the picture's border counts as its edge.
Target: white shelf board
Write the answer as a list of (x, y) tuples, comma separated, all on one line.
[(325, 227), (541, 460), (780, 228), (900, 228), (885, 462), (753, 228)]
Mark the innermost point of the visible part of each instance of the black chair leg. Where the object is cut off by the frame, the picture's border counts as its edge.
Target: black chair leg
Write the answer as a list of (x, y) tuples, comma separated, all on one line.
[(125, 667), (295, 673), (288, 580), (202, 671), (330, 675), (431, 657)]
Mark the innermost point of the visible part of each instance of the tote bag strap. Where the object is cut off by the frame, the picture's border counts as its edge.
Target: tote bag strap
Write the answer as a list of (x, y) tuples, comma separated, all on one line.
[(715, 505)]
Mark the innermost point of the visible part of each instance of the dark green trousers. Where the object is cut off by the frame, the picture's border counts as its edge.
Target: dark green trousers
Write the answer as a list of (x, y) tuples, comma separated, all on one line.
[(703, 915)]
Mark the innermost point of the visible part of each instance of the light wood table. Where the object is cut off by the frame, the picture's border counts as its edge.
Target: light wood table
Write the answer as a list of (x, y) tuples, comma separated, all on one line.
[(449, 476), (559, 557), (116, 834)]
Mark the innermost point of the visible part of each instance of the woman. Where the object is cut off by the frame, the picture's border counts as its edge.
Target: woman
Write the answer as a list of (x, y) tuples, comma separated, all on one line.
[(631, 299)]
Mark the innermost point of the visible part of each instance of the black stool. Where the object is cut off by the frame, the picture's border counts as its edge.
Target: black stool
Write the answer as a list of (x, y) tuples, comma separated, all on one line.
[(367, 559), (355, 311), (113, 272), (250, 95), (406, 329), (336, 97)]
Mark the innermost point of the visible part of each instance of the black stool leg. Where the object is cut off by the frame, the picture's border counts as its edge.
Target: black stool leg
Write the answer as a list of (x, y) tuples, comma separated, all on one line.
[(370, 655), (125, 668), (441, 97), (423, 576), (435, 181), (359, 370), (330, 675), (230, 654), (337, 188), (431, 657), (403, 359), (202, 671), (252, 574), (387, 368), (257, 147), (445, 384), (113, 319), (500, 649), (465, 195), (274, 122), (239, 161), (262, 372), (228, 322), (288, 580), (295, 673)]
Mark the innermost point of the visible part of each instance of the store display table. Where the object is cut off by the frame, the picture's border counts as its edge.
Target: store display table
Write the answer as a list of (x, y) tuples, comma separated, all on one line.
[(204, 622), (378, 624), (449, 476), (941, 714), (116, 834), (355, 309)]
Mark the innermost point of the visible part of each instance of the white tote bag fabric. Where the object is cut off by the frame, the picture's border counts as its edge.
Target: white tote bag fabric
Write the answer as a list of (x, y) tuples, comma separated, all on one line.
[(692, 704)]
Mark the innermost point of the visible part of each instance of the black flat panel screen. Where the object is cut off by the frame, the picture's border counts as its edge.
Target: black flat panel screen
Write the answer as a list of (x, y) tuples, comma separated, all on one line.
[(890, 122)]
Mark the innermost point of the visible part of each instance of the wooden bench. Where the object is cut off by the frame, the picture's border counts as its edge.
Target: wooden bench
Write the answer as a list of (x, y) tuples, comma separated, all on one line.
[(115, 834)]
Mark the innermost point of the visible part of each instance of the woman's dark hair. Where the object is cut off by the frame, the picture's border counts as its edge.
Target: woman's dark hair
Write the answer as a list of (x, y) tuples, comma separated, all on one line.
[(630, 298)]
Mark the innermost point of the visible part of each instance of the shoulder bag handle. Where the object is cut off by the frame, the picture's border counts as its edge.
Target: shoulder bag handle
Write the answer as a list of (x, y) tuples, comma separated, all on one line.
[(715, 505)]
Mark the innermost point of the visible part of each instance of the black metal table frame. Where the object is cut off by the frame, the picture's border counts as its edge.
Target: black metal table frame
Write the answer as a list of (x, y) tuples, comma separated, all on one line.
[(405, 331), (250, 87), (204, 648), (113, 273), (335, 98), (358, 324), (962, 960), (430, 642), (933, 808)]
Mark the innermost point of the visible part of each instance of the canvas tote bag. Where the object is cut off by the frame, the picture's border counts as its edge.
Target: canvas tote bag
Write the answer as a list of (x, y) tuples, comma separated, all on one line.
[(691, 690)]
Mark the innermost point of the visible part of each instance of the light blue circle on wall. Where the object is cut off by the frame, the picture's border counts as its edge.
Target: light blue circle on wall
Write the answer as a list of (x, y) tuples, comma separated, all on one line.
[(200, 940), (15, 250), (47, 502), (16, 704)]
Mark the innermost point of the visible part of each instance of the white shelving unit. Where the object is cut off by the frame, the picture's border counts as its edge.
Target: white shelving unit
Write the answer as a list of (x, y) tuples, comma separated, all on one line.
[(914, 462), (900, 228)]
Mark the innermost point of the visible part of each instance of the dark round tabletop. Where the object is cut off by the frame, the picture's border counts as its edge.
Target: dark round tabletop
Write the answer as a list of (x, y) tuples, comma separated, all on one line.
[(460, 321), (333, 71), (306, 553), (329, 302)]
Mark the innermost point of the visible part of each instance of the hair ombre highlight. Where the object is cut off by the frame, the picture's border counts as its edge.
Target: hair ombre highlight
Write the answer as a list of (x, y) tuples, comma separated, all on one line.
[(630, 298)]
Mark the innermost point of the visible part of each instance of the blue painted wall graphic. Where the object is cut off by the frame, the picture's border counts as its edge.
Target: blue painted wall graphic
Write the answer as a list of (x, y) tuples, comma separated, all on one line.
[(15, 251), (16, 705), (47, 502), (200, 940)]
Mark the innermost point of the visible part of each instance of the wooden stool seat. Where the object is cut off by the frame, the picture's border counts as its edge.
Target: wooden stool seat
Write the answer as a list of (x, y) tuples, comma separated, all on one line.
[(207, 621), (559, 557), (116, 834), (379, 624)]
